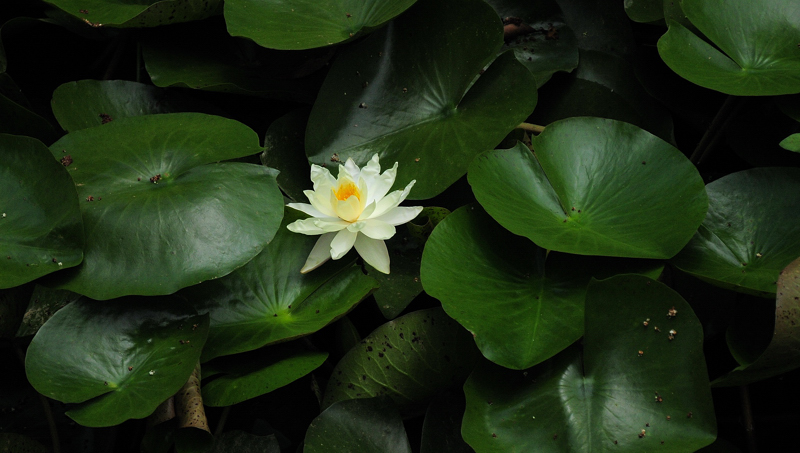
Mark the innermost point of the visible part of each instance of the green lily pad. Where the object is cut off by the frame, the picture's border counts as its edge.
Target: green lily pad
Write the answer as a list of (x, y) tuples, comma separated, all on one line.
[(138, 13), (537, 298), (630, 389), (410, 359), (42, 305), (782, 354), (41, 230), (160, 213), (754, 50), (750, 233), (645, 10), (792, 143), (398, 289), (360, 425), (119, 359), (305, 24), (88, 103), (242, 377), (540, 38), (268, 300), (430, 113), (593, 187), (285, 151)]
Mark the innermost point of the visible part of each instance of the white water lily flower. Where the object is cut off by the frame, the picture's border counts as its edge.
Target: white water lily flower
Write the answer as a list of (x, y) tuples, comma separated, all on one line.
[(353, 210)]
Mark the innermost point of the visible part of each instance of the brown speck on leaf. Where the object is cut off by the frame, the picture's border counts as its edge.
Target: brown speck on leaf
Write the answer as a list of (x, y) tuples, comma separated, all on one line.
[(90, 198), (405, 90), (642, 434), (348, 15), (672, 312), (194, 326), (139, 179), (351, 35), (615, 442), (555, 436), (494, 435), (155, 179), (83, 11), (758, 255), (105, 118), (365, 84), (647, 425), (646, 322), (669, 418), (641, 353), (416, 159), (66, 160), (689, 415), (105, 383), (335, 157), (656, 329), (644, 162), (552, 33), (481, 72), (363, 105)]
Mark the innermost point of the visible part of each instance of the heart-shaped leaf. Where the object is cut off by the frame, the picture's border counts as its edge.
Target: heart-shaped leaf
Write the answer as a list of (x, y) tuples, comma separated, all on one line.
[(41, 230), (410, 359), (242, 377), (159, 211), (304, 24), (750, 233), (268, 300), (594, 187), (753, 49), (540, 38), (783, 352), (139, 13), (537, 299), (429, 113), (367, 425), (89, 103), (631, 388), (120, 359)]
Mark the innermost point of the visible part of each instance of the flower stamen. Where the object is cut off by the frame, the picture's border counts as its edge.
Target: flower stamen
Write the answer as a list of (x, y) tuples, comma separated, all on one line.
[(346, 190)]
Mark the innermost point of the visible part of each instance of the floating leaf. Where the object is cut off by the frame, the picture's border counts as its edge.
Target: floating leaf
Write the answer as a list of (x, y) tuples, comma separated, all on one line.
[(593, 187), (159, 211), (242, 377), (41, 230), (536, 307), (304, 24), (630, 389), (750, 233), (360, 425), (429, 113), (43, 304), (268, 300), (753, 49), (140, 13), (410, 359), (285, 151), (792, 143), (119, 359)]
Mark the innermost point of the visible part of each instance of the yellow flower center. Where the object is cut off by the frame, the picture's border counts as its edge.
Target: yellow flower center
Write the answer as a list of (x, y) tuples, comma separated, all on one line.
[(346, 190)]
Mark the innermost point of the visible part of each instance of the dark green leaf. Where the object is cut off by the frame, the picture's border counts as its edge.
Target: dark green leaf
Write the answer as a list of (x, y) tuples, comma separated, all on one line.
[(159, 211), (750, 233), (269, 300), (398, 289), (285, 151), (241, 442), (304, 24), (120, 359), (594, 187), (754, 50), (138, 13), (783, 352), (16, 116), (540, 38), (441, 431), (792, 143), (410, 359), (41, 230), (42, 305), (358, 426), (431, 113), (645, 10), (630, 389), (242, 377)]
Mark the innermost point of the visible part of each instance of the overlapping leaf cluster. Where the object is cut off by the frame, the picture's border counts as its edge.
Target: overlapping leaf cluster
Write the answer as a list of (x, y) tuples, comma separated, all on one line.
[(543, 289)]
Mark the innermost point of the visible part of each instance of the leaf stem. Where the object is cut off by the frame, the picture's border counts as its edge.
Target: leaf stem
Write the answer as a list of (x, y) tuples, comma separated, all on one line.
[(535, 128), (747, 413), (222, 419), (714, 131)]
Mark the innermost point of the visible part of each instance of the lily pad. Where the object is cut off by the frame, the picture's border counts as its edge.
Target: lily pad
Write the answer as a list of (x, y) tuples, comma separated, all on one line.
[(629, 389), (594, 187), (361, 425), (645, 10), (791, 143), (41, 230), (160, 212), (242, 377), (42, 305), (750, 233), (269, 301), (285, 151), (536, 307), (753, 49), (305, 24), (138, 13), (410, 359), (433, 112), (538, 35), (88, 103), (119, 359)]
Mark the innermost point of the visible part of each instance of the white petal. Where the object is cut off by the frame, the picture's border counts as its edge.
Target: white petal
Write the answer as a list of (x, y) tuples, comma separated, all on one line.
[(319, 254), (374, 252), (400, 215), (351, 168), (306, 208), (392, 200), (342, 243), (321, 177), (349, 209), (381, 184), (320, 203), (377, 229), (315, 226)]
